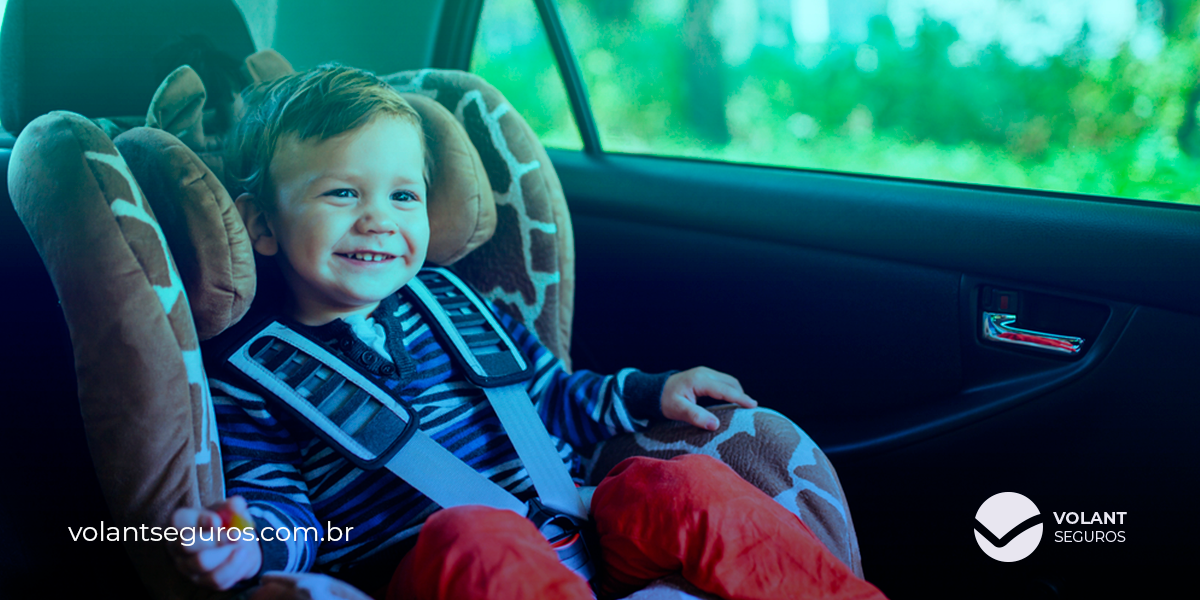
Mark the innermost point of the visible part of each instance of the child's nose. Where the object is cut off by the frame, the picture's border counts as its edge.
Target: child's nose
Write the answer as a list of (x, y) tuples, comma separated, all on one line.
[(370, 224), (375, 219)]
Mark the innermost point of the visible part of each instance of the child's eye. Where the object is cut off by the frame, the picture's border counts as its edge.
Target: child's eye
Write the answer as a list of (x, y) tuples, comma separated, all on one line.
[(342, 193), (403, 196)]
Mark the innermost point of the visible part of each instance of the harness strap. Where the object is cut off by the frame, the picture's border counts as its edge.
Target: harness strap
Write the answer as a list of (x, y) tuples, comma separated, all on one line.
[(511, 402), (371, 429), (360, 419), (445, 479), (537, 451)]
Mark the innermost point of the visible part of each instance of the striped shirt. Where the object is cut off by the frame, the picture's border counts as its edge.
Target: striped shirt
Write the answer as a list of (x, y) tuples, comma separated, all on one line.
[(293, 480)]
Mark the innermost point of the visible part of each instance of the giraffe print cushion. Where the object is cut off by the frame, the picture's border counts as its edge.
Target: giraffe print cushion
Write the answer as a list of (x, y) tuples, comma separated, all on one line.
[(462, 208), (201, 225), (533, 227), (142, 389), (765, 448)]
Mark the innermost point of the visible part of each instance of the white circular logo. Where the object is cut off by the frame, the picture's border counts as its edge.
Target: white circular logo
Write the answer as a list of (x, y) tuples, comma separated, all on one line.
[(1008, 527)]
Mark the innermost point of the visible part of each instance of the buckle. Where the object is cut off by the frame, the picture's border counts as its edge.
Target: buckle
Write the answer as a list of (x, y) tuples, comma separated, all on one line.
[(568, 536)]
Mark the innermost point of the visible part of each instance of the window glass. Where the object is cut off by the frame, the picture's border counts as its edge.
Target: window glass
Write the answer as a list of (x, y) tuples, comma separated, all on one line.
[(513, 53), (1071, 95), (3, 4)]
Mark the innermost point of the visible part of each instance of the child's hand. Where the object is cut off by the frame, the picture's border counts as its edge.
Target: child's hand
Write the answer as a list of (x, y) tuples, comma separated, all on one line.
[(682, 389), (217, 564)]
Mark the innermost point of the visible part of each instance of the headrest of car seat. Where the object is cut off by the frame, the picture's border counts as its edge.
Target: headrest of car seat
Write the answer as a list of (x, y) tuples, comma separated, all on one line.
[(97, 57), (528, 268), (462, 207), (207, 236)]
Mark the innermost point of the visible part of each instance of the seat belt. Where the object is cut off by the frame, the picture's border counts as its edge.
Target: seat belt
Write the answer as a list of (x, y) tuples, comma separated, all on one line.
[(495, 364), (367, 426), (359, 419)]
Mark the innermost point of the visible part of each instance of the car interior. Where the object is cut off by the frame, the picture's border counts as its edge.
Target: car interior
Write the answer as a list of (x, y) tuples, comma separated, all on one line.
[(941, 342)]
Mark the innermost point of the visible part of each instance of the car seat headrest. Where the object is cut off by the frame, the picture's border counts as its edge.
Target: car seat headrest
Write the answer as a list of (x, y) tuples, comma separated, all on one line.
[(98, 57), (462, 206), (183, 173)]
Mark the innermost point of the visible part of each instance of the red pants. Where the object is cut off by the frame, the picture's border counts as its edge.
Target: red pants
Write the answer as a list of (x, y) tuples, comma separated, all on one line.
[(691, 515)]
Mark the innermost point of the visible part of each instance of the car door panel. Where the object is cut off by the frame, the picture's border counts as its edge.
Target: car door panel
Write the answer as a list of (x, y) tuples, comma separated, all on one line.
[(784, 319), (854, 305)]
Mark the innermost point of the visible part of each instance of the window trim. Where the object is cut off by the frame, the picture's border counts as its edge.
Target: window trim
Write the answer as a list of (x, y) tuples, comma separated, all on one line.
[(568, 68), (456, 42), (457, 27)]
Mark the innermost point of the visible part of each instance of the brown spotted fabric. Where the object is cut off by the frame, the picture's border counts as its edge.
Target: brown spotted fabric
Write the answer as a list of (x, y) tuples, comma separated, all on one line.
[(528, 267), (765, 448), (462, 208), (203, 228), (142, 388)]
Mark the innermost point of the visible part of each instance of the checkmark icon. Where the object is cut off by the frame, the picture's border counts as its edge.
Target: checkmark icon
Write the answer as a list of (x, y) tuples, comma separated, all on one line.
[(1008, 527), (1001, 542)]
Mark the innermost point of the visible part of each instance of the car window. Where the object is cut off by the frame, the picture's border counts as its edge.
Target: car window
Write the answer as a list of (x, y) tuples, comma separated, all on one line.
[(3, 4), (512, 52), (1063, 95)]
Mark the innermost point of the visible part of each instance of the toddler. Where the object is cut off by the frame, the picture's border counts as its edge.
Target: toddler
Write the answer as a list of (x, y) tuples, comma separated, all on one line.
[(331, 164)]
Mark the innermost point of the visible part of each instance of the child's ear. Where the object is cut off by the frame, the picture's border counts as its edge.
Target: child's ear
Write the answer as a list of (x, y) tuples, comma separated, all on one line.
[(261, 237)]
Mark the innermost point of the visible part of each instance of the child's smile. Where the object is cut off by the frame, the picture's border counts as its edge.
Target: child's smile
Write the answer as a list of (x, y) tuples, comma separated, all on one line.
[(349, 219)]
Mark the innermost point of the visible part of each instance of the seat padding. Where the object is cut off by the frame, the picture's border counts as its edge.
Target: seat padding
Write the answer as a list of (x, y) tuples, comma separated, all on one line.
[(141, 384)]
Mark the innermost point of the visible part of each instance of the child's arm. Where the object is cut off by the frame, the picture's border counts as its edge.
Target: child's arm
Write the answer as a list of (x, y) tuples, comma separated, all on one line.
[(583, 408), (262, 463), (214, 560)]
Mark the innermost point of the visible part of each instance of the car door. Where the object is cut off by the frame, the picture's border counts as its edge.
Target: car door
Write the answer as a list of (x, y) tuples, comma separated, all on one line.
[(943, 341)]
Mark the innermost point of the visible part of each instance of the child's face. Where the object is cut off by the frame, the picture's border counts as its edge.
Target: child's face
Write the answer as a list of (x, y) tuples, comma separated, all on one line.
[(350, 218)]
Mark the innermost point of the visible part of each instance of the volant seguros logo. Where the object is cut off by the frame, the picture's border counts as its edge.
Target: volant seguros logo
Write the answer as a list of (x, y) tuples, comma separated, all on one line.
[(1008, 527)]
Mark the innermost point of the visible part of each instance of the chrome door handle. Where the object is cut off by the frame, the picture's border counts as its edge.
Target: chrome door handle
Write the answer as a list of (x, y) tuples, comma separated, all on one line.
[(998, 327)]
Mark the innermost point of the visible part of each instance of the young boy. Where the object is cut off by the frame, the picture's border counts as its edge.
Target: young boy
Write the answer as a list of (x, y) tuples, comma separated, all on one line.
[(332, 165)]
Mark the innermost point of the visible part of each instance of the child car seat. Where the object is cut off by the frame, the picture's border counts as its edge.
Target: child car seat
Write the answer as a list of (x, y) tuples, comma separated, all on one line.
[(526, 267)]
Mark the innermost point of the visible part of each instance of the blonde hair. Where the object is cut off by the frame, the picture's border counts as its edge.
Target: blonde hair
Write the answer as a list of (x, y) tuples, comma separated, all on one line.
[(321, 103)]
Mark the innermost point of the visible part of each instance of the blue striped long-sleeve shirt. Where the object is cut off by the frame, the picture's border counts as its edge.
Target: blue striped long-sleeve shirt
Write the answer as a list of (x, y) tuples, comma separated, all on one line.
[(293, 480)]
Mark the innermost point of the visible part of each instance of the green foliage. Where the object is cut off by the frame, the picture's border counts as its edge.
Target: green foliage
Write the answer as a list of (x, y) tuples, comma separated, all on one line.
[(515, 56), (1074, 122)]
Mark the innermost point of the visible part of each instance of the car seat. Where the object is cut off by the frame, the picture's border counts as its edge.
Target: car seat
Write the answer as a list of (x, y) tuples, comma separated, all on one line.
[(128, 341)]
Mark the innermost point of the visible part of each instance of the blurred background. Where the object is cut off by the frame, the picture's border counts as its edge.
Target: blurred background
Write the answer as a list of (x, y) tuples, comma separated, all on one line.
[(1091, 96)]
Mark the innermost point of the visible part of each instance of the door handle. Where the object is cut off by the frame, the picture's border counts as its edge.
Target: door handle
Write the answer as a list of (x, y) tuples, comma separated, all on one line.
[(998, 327)]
